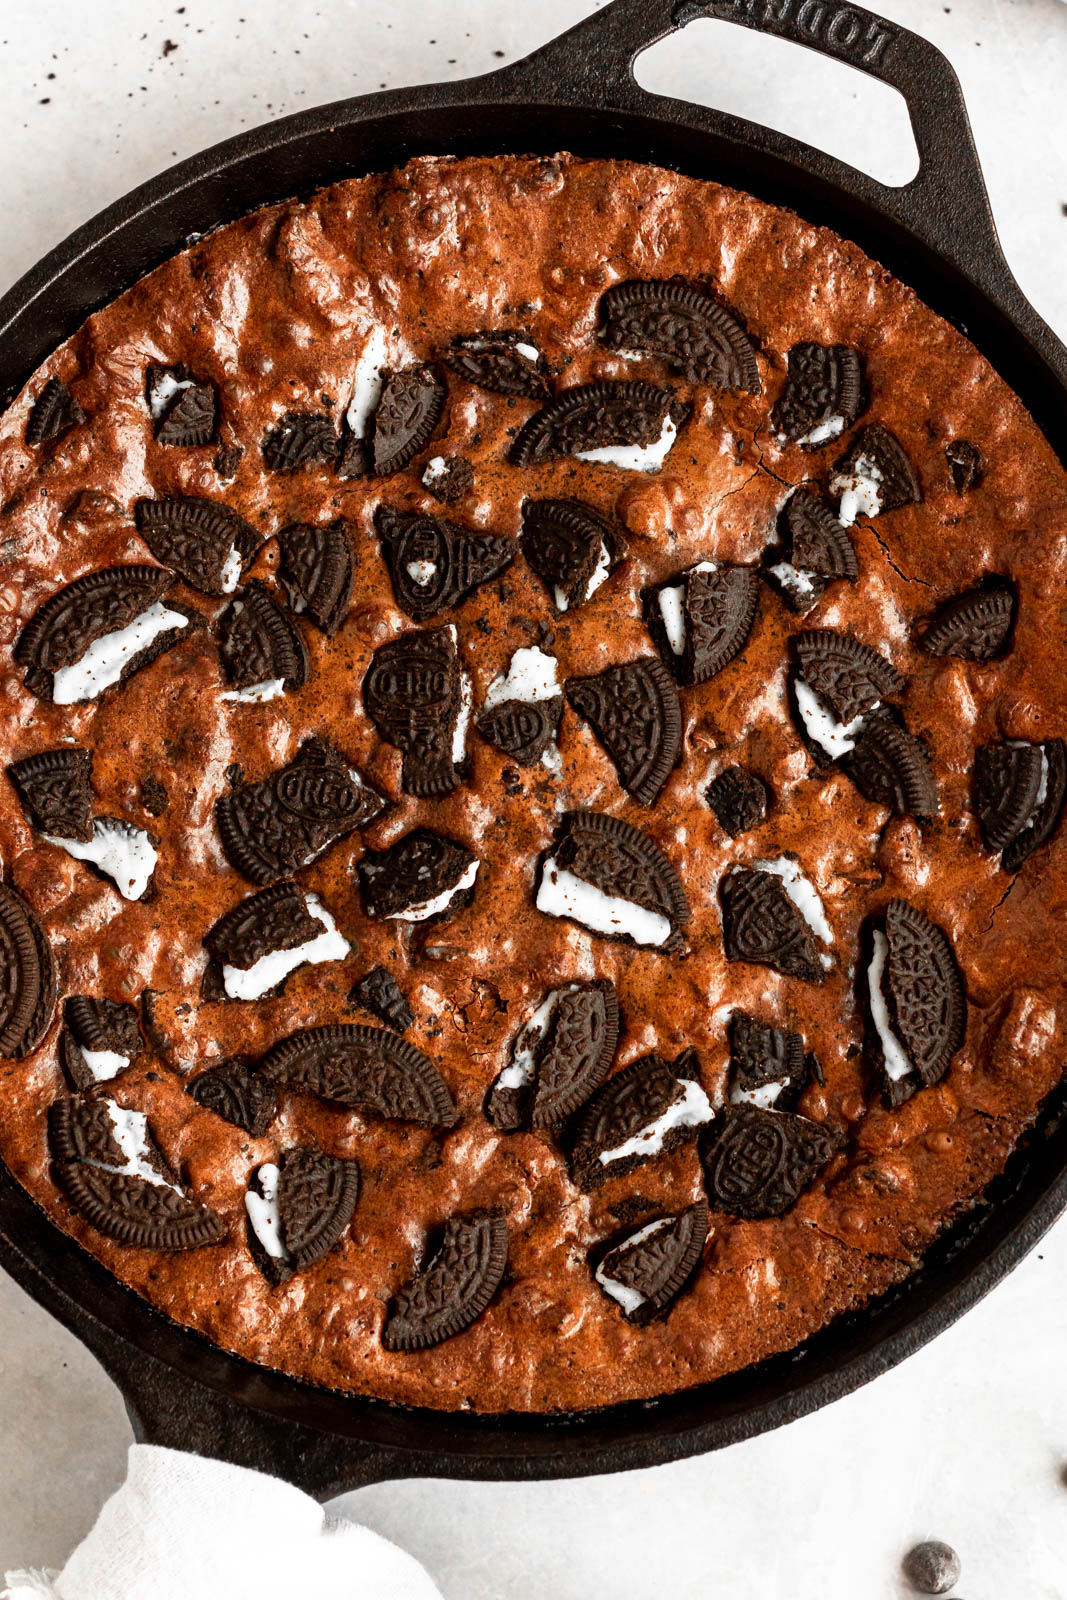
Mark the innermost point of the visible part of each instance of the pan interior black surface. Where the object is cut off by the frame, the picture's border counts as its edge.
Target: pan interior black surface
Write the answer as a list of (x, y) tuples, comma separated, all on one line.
[(937, 234)]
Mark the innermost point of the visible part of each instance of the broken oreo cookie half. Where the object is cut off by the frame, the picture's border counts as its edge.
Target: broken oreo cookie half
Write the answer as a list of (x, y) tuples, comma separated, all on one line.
[(1019, 791), (975, 625), (267, 936), (648, 1109), (423, 877), (915, 999), (560, 1056), (411, 405), (434, 564), (418, 695), (769, 1067), (700, 619), (262, 650), (874, 476), (683, 325), (572, 548), (645, 1272), (301, 439), (27, 977), (628, 425), (503, 360), (448, 478), (55, 787), (823, 394), (379, 993), (454, 1287), (772, 915), (815, 550), (739, 800), (101, 1039), (203, 540), (633, 710), (54, 411), (316, 568), (298, 1209), (613, 879), (365, 1069), (237, 1093), (522, 708), (185, 409), (758, 1163)]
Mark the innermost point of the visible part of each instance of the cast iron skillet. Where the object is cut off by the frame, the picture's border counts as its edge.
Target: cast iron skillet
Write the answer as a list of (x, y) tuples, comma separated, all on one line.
[(577, 93)]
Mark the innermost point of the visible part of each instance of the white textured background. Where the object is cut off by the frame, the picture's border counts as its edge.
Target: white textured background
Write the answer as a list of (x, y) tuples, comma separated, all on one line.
[(968, 1440)]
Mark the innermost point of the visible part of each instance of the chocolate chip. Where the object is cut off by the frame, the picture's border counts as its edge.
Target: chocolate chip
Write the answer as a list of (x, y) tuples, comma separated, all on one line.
[(54, 411), (889, 766), (198, 537), (623, 863), (1009, 778), (259, 643), (315, 1195), (626, 1124), (823, 394), (454, 1288), (757, 1163), (378, 992), (591, 416), (407, 414), (739, 800), (769, 1067), (435, 564), (27, 977), (715, 612), (563, 1054), (634, 712), (762, 924), (281, 823), (449, 478), (418, 869), (227, 460), (301, 439), (154, 797), (568, 543), (414, 693), (655, 1263), (496, 360), (369, 1071), (680, 322), (316, 566), (55, 787), (975, 625), (932, 1567), (237, 1093), (966, 465)]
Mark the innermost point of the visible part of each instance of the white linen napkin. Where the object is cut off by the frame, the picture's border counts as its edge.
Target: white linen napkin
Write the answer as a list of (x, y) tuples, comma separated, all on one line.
[(186, 1528)]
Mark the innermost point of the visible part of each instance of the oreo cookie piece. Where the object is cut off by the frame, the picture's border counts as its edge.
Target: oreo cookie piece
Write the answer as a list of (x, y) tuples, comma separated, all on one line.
[(848, 675), (448, 478), (298, 1209), (301, 439), (273, 827), (406, 417), (873, 476), (1019, 792), (107, 1164), (435, 564), (966, 465), (769, 1067), (262, 651), (316, 568), (889, 766), (816, 551), (55, 787), (365, 1069), (757, 1163), (633, 710), (682, 324), (204, 540), (571, 547), (647, 1271), (454, 1287), (27, 977), (559, 1057), (764, 922), (648, 1109), (916, 1001), (54, 411), (631, 425), (975, 625), (700, 619), (99, 630), (522, 709), (183, 408), (419, 698), (739, 800), (613, 879), (379, 993), (422, 877), (823, 394), (267, 936), (101, 1039), (505, 361), (237, 1093)]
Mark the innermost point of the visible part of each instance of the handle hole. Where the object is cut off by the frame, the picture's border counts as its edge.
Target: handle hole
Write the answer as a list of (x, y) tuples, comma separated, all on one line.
[(786, 86)]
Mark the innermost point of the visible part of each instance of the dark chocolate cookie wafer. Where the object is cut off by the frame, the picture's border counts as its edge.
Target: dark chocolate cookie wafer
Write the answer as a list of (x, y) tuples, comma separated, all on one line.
[(596, 416), (1019, 791), (916, 1001), (638, 897), (237, 1093), (814, 551), (301, 439), (523, 729), (379, 993), (700, 620), (504, 360), (408, 411), (647, 1271), (101, 1039), (976, 625), (769, 1067), (571, 547), (685, 327), (54, 411), (434, 564), (55, 787), (298, 1209), (367, 1069), (823, 394), (418, 697), (876, 470), (27, 977), (316, 568), (760, 923), (185, 409), (560, 1056), (633, 710), (648, 1109), (275, 919), (279, 824), (847, 674), (758, 1163), (203, 540), (449, 478), (421, 878), (889, 766), (455, 1285), (739, 800), (259, 644)]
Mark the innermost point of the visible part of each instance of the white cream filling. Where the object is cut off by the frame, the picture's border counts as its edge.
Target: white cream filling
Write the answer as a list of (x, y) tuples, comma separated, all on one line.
[(440, 902), (231, 571), (804, 895), (264, 1213), (860, 490), (629, 1298), (796, 579), (635, 457), (562, 894), (459, 735), (130, 1132), (256, 693), (248, 983), (836, 738), (103, 662), (422, 572), (163, 390), (522, 1066), (831, 428), (672, 608), (897, 1064), (435, 470), (691, 1109), (600, 574), (104, 1064), (1042, 787), (764, 1095), (476, 346), (367, 384), (124, 852), (531, 677)]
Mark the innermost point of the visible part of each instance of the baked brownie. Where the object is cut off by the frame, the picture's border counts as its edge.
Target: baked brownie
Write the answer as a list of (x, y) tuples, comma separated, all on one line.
[(533, 700)]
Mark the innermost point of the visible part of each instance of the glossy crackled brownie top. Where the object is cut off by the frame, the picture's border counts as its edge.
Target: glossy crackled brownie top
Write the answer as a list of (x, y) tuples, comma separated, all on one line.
[(532, 869)]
